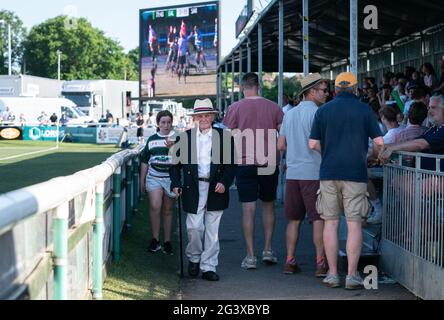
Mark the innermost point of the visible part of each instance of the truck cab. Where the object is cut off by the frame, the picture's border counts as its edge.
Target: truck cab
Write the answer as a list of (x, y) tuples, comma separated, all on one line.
[(85, 95), (95, 97)]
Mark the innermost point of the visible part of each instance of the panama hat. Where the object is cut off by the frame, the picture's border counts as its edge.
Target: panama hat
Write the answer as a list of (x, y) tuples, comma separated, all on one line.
[(202, 107), (310, 81)]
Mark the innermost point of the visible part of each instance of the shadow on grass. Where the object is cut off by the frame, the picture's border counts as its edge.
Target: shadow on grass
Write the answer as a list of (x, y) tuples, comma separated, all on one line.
[(141, 275), (31, 171)]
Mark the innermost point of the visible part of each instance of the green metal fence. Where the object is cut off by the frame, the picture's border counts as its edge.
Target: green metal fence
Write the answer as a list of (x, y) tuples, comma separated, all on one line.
[(57, 237)]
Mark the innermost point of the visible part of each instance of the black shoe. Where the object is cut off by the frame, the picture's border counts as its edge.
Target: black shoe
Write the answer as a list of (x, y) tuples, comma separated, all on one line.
[(167, 248), (193, 269), (154, 246), (210, 276)]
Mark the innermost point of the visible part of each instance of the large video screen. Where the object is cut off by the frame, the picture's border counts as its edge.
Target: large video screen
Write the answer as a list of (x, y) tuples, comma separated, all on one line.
[(179, 49)]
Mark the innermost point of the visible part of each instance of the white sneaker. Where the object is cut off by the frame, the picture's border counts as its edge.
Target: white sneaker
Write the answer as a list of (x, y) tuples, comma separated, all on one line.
[(268, 257), (249, 262)]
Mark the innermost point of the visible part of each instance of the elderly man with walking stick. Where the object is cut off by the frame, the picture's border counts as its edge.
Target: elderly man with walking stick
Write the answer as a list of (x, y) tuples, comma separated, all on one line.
[(204, 156)]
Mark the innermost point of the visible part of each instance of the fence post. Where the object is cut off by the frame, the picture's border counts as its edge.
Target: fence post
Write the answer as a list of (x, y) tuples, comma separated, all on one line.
[(98, 243), (136, 184), (128, 192), (60, 254), (416, 237), (116, 213)]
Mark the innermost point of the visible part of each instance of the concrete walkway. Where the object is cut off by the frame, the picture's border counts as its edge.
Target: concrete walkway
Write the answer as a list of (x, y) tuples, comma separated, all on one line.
[(269, 282)]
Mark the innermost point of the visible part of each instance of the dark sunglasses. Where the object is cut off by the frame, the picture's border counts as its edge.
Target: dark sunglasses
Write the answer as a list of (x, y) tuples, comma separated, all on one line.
[(325, 90)]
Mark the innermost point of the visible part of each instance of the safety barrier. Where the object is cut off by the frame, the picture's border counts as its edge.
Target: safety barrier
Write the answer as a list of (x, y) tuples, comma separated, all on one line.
[(412, 248), (56, 237)]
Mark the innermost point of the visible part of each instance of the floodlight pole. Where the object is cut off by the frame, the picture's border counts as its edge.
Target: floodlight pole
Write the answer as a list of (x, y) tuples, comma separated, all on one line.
[(248, 55), (232, 79), (354, 37), (306, 41), (58, 64), (281, 53), (219, 89), (226, 85), (259, 55), (240, 72)]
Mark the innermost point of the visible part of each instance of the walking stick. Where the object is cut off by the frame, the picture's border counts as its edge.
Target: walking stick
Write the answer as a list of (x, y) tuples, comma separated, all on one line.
[(180, 234)]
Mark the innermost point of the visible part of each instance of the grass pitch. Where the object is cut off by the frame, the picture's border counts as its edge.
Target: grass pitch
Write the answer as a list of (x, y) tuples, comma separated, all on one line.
[(33, 168), (141, 275)]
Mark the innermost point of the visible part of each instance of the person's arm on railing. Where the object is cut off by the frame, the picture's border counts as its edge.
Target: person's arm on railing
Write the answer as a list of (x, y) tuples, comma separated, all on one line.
[(378, 147), (410, 146)]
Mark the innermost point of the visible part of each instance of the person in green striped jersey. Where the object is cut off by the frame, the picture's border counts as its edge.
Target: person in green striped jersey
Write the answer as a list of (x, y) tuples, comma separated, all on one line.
[(155, 179)]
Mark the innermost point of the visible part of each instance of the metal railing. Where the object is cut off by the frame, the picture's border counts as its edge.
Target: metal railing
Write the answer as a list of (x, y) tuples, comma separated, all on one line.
[(56, 237), (413, 223)]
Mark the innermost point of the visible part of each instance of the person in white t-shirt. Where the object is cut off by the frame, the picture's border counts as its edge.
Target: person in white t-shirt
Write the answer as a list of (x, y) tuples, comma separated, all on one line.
[(389, 120)]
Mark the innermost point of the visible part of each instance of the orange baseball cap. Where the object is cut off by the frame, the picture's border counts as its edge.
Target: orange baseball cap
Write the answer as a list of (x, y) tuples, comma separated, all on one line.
[(345, 80)]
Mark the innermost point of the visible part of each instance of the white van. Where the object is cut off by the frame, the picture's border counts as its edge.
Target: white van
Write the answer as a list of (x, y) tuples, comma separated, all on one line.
[(32, 108)]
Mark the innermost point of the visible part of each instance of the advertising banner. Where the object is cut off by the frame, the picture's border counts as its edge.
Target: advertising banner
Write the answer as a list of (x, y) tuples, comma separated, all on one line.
[(79, 134), (42, 133), (107, 135), (11, 133)]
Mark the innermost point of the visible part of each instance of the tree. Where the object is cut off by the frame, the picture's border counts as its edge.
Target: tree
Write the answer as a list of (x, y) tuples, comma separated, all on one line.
[(18, 34), (86, 52), (292, 87), (133, 64)]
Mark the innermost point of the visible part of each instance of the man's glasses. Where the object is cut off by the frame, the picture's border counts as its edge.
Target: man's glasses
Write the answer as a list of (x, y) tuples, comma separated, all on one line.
[(325, 90)]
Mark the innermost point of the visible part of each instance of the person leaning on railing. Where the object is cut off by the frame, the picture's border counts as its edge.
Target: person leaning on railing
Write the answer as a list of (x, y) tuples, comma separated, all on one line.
[(432, 141)]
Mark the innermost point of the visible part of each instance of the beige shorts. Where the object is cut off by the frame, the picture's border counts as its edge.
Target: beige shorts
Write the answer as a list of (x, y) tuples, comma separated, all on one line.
[(335, 196)]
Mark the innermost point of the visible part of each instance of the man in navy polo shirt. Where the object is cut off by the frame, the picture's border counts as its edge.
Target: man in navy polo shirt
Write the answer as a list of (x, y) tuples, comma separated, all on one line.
[(341, 129)]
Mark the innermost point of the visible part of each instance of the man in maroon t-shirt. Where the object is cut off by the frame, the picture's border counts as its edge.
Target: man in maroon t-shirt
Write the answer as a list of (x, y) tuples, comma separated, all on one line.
[(255, 122)]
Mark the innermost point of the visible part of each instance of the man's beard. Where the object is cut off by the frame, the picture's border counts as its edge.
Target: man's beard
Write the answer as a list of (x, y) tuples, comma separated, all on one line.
[(433, 121)]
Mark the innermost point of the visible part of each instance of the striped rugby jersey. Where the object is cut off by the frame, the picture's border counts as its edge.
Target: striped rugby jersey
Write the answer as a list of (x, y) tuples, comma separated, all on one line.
[(155, 154)]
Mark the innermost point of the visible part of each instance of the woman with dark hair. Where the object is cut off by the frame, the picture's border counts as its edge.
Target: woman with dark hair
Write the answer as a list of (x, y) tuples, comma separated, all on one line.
[(430, 79), (155, 179)]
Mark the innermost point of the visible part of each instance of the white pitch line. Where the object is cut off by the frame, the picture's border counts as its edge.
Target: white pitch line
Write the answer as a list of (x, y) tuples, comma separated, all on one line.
[(28, 154)]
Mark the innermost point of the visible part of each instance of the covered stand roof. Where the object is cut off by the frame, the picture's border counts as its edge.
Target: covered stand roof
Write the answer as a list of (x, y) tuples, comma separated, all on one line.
[(329, 31)]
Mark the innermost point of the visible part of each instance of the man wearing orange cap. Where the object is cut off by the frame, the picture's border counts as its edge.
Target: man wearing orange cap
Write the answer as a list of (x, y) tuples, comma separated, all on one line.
[(340, 132)]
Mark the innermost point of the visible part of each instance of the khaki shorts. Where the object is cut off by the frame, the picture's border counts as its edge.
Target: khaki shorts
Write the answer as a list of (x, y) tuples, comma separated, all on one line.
[(335, 196)]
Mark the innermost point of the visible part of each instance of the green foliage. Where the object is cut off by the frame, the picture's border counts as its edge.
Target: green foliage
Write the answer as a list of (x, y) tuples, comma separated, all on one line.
[(86, 52), (133, 64), (18, 34), (292, 87), (141, 275)]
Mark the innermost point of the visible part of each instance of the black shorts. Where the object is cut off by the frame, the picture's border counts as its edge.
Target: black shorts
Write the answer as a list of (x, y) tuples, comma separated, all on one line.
[(182, 60), (252, 186)]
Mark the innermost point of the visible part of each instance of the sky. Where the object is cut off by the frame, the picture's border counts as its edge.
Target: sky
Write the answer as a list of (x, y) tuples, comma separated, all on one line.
[(119, 19)]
